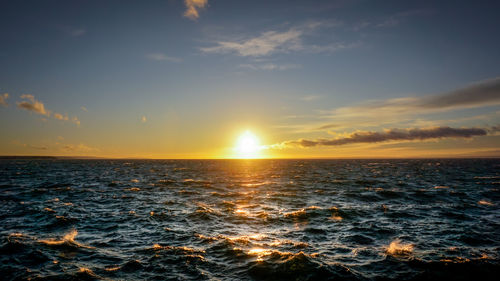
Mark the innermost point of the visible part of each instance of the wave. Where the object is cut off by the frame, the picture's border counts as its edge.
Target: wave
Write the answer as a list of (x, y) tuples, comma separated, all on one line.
[(397, 248)]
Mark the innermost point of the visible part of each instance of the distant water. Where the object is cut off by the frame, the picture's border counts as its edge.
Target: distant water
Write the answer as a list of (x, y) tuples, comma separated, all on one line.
[(250, 219)]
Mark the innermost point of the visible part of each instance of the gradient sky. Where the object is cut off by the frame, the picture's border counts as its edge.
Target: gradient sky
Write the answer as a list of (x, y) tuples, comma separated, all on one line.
[(183, 79)]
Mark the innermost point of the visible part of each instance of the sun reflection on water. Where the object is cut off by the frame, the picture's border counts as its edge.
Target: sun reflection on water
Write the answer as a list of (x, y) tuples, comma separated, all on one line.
[(260, 253)]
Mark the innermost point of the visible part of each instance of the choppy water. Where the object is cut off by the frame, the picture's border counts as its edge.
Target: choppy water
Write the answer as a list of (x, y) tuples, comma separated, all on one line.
[(250, 219)]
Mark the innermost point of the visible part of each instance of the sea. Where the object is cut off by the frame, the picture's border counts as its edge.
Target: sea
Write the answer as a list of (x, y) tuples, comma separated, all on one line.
[(399, 219)]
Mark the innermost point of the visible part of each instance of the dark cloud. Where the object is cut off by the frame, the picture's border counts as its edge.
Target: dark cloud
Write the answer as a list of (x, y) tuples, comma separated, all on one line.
[(393, 135), (481, 93), (328, 126), (494, 129), (484, 93)]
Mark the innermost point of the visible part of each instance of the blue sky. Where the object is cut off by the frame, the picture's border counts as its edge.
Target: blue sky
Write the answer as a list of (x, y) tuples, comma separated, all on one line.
[(184, 78)]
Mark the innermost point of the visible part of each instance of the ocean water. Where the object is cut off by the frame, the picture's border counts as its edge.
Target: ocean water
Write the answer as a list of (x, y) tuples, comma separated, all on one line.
[(250, 219)]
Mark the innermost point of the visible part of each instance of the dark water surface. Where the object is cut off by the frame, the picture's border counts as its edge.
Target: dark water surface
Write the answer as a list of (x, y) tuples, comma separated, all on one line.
[(250, 219)]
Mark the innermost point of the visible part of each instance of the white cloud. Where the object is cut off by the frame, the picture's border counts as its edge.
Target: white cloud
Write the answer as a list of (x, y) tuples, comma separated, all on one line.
[(274, 41), (269, 66), (193, 7), (162, 57), (267, 43)]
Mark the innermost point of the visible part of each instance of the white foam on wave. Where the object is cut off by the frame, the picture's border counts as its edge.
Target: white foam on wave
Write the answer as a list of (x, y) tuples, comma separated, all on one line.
[(68, 238), (398, 248)]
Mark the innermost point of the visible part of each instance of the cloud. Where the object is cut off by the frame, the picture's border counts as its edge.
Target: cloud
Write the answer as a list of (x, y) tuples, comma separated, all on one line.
[(494, 129), (75, 120), (78, 148), (162, 57), (33, 105), (333, 47), (480, 94), (3, 99), (396, 19), (267, 43), (276, 41), (84, 108), (73, 31), (329, 126), (77, 32), (193, 7), (269, 66), (39, 147), (59, 116), (407, 111), (413, 134), (310, 98)]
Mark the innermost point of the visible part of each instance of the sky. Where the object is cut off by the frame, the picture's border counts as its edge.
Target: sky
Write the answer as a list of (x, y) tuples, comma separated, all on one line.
[(308, 79)]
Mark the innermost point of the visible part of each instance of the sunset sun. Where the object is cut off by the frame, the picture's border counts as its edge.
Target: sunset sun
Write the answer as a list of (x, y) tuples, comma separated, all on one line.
[(247, 145)]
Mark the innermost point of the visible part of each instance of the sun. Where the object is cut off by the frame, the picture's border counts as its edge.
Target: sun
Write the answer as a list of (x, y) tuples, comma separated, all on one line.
[(248, 146)]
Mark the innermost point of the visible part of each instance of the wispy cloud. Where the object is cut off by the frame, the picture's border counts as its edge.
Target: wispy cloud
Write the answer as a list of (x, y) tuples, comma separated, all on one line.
[(78, 148), (84, 108), (484, 93), (411, 134), (73, 31), (332, 47), (391, 20), (328, 126), (32, 146), (480, 94), (193, 7), (310, 98), (162, 57), (281, 41), (33, 105), (396, 19), (39, 147), (3, 99), (78, 32), (269, 66), (267, 43)]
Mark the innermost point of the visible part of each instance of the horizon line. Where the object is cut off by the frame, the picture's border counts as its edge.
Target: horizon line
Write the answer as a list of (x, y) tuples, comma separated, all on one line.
[(3, 157)]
